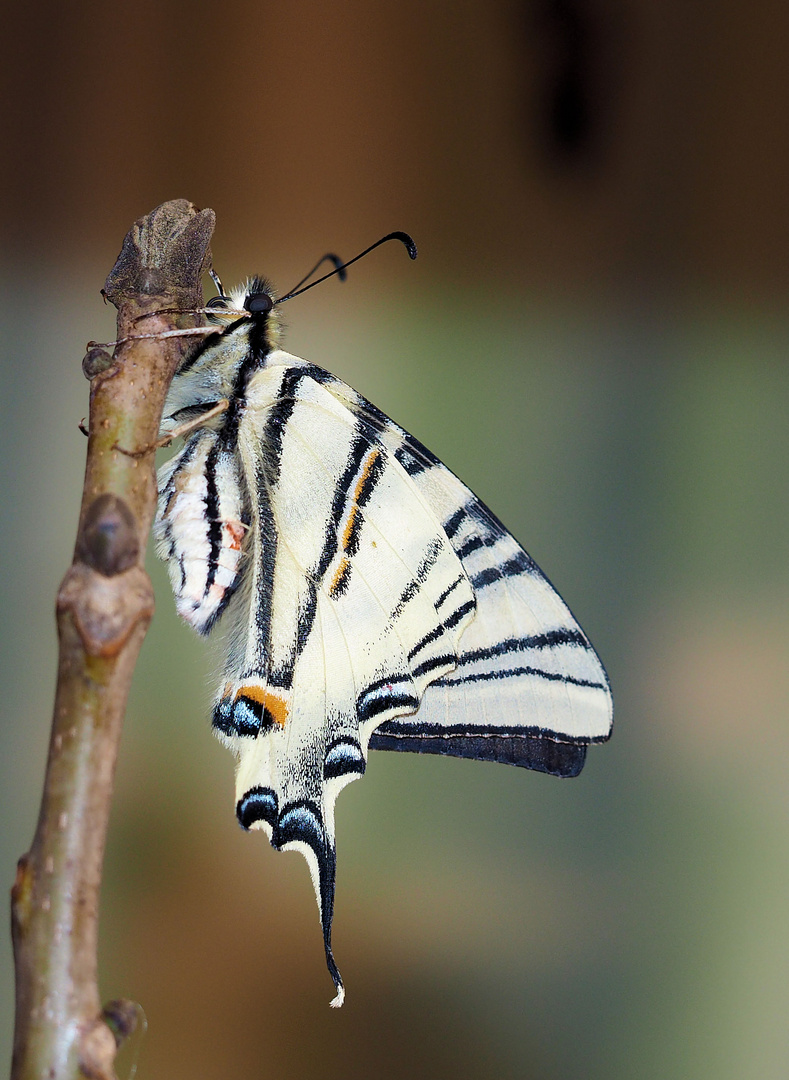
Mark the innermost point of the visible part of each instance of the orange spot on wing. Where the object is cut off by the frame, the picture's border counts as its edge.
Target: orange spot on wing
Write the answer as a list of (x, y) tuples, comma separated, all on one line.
[(276, 706), (371, 460), (347, 533), (357, 491), (335, 581)]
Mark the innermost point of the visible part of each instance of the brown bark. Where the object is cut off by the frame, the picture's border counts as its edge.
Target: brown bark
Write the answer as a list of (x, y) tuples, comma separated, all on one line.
[(104, 606)]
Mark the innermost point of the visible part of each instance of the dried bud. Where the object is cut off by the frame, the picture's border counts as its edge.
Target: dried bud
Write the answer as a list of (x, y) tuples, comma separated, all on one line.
[(108, 541)]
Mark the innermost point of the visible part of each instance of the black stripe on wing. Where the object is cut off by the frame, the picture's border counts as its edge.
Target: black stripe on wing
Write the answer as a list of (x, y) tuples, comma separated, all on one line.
[(184, 457), (521, 563), (164, 520), (529, 749), (550, 639), (413, 455), (415, 458), (212, 516), (267, 538), (358, 450), (385, 694), (266, 476), (535, 643), (365, 464), (412, 464), (417, 581), (449, 589), (215, 535), (514, 672), (367, 485), (473, 528)]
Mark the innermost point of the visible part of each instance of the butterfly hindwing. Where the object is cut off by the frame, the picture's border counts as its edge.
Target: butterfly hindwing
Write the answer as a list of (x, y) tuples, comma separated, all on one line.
[(200, 527), (357, 602)]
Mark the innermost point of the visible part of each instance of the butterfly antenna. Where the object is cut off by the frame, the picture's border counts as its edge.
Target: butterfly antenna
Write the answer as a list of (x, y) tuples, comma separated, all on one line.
[(219, 286), (339, 269), (403, 237)]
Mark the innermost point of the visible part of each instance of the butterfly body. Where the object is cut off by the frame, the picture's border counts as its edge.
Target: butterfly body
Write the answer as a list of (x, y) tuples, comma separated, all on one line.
[(370, 600)]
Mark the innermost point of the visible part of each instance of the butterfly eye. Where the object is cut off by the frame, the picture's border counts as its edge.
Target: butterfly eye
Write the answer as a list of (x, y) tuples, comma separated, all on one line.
[(259, 303)]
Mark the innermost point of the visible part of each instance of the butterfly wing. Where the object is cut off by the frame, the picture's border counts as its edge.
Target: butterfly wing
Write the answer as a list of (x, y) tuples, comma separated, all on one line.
[(373, 602), (201, 523), (349, 570), (528, 688)]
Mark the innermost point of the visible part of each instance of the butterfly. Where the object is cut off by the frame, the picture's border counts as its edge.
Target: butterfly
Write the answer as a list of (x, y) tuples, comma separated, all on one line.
[(368, 599)]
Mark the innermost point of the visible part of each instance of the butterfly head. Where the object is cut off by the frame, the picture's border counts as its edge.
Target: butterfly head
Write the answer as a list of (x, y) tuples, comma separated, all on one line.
[(255, 301)]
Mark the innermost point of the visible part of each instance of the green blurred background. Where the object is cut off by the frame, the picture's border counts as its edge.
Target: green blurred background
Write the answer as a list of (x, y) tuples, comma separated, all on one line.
[(595, 338)]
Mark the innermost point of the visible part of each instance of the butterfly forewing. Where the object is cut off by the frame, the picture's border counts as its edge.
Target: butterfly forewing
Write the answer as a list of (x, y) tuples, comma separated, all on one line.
[(528, 689)]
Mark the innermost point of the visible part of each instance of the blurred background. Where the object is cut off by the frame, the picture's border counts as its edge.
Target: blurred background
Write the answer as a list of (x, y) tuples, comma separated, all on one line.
[(595, 338)]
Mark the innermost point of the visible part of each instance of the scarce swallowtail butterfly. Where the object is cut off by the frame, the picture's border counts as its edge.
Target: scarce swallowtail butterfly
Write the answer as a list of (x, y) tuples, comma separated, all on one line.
[(369, 599)]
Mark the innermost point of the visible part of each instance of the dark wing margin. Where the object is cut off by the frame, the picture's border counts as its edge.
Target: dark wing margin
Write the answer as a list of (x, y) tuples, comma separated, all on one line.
[(529, 750)]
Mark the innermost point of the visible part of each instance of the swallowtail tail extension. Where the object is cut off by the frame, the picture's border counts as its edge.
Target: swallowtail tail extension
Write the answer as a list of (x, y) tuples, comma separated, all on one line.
[(369, 599)]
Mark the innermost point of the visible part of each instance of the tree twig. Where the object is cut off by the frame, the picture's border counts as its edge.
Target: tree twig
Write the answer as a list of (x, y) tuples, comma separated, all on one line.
[(104, 606)]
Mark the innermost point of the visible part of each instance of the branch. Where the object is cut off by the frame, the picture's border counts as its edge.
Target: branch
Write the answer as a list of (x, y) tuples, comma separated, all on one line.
[(104, 606)]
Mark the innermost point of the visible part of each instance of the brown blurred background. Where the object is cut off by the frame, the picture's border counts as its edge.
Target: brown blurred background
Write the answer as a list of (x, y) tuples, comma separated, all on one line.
[(595, 338)]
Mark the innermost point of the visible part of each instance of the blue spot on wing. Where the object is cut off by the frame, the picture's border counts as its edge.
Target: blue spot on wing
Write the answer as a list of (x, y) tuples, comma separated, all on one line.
[(343, 756), (301, 822), (259, 804)]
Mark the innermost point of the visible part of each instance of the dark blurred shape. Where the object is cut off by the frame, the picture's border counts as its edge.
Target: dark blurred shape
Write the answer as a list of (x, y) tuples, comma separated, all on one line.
[(95, 361), (455, 120), (121, 1017), (570, 99)]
